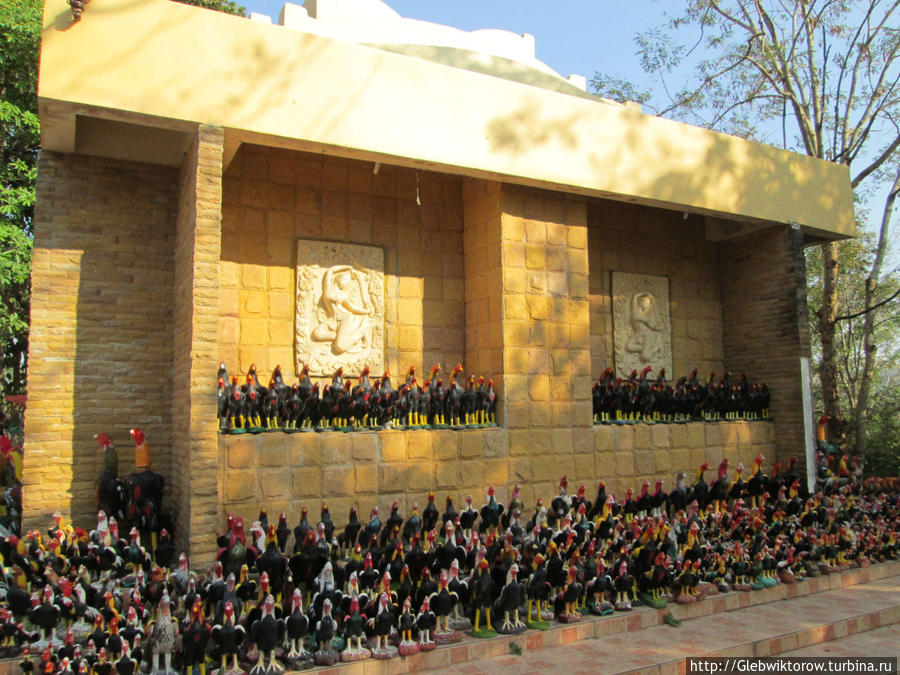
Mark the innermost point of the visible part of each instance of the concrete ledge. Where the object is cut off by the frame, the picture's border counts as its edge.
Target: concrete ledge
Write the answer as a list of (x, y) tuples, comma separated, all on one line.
[(284, 472)]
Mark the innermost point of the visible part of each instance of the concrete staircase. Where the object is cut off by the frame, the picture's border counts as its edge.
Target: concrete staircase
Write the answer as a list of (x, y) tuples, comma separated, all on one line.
[(791, 619), (757, 623)]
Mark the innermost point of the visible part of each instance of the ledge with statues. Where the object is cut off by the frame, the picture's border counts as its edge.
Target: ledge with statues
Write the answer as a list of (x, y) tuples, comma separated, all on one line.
[(283, 598), (653, 400), (343, 406)]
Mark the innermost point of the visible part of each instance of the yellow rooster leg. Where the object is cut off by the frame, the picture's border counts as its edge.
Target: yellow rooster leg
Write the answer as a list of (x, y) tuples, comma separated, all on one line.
[(487, 616), (203, 668), (530, 603), (477, 618), (222, 669)]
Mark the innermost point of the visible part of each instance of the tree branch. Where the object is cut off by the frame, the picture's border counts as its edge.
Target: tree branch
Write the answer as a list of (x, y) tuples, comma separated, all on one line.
[(872, 308), (877, 162)]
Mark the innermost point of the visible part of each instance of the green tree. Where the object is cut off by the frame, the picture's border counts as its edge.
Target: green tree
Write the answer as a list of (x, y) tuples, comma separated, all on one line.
[(883, 396), (20, 31), (820, 77), (227, 6)]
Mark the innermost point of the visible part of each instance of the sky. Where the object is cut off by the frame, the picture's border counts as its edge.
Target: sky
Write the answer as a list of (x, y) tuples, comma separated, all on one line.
[(572, 36)]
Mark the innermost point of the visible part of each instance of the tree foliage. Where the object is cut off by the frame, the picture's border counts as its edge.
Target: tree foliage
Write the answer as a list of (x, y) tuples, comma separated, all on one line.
[(20, 30), (883, 405), (226, 6), (821, 77)]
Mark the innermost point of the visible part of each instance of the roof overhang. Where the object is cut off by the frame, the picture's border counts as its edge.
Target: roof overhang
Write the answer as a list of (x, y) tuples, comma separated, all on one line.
[(132, 78)]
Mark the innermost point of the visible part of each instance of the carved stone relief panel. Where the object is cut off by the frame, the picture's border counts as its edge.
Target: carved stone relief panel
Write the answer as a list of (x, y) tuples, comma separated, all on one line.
[(642, 328), (340, 307)]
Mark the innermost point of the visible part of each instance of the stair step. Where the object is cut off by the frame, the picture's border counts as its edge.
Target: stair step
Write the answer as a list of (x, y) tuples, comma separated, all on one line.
[(755, 623), (764, 629), (882, 641), (556, 644)]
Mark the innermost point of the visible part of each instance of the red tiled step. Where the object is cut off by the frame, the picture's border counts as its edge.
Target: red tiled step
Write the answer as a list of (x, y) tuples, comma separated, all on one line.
[(764, 629), (474, 656)]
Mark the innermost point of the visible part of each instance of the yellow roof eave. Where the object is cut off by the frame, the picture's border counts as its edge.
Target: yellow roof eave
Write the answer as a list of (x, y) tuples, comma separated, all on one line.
[(178, 63)]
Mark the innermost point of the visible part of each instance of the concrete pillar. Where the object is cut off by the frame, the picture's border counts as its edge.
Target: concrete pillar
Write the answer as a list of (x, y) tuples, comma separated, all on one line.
[(528, 319), (101, 332), (765, 325), (196, 315)]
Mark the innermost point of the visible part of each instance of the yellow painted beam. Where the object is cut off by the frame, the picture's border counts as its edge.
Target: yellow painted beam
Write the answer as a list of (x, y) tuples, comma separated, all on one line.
[(180, 63)]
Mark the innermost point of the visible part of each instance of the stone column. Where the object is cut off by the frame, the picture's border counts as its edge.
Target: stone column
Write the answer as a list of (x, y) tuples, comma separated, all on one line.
[(527, 311), (195, 321), (765, 325)]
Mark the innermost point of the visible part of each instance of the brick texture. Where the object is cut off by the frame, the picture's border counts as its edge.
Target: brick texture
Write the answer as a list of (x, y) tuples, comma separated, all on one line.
[(273, 197), (765, 326), (485, 308), (101, 327), (287, 472), (642, 240), (146, 277), (546, 329), (196, 298)]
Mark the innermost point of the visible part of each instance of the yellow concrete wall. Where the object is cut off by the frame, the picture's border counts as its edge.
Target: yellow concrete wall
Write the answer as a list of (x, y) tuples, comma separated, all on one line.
[(628, 238), (274, 197), (284, 473), (546, 360), (483, 282), (174, 62)]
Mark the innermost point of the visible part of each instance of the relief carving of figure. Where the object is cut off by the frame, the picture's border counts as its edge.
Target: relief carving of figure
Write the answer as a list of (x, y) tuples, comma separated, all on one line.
[(642, 328), (344, 310), (646, 336)]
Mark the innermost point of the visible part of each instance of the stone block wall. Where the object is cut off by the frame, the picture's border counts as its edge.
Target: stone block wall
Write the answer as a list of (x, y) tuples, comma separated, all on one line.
[(765, 323), (285, 472), (146, 277), (273, 197), (101, 327), (546, 310), (196, 297), (642, 240), (483, 278)]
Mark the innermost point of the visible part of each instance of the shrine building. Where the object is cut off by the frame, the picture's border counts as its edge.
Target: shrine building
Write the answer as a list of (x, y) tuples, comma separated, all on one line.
[(459, 200)]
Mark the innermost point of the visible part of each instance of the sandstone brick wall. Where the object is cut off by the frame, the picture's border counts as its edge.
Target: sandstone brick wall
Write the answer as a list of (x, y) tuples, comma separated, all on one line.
[(146, 277), (546, 361), (285, 472), (100, 349), (642, 240), (765, 324), (196, 320), (273, 197), (483, 278)]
